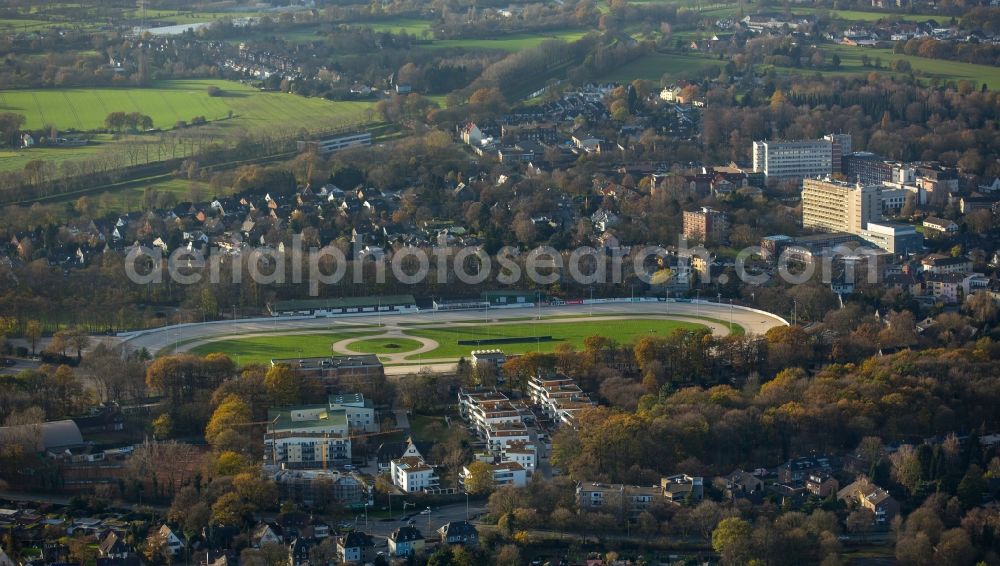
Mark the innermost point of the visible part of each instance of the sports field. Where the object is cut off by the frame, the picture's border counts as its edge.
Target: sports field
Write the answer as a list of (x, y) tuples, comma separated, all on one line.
[(84, 109)]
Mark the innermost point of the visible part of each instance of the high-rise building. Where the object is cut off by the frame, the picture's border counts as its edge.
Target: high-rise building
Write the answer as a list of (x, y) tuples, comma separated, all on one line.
[(793, 159), (866, 168), (840, 146), (705, 225), (834, 206)]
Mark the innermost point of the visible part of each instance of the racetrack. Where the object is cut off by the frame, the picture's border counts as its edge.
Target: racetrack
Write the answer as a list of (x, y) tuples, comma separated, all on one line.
[(185, 337)]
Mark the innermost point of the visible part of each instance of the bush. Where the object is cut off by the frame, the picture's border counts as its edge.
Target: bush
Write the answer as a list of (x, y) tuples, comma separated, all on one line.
[(214, 91)]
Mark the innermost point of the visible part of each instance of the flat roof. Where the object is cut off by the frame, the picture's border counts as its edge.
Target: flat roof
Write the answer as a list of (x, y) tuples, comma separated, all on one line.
[(330, 362), (282, 419), (343, 303)]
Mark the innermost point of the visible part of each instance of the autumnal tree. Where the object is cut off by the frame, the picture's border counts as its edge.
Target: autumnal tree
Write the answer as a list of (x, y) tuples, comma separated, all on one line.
[(33, 332), (479, 480), (232, 414), (283, 384), (732, 540), (230, 463), (229, 510)]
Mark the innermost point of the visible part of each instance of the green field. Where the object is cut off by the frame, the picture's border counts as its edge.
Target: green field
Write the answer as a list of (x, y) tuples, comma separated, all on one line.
[(653, 66), (393, 345), (514, 42), (562, 332), (412, 26), (84, 109), (261, 349)]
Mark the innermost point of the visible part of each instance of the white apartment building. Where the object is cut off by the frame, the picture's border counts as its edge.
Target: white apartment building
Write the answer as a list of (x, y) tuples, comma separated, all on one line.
[(309, 436), (411, 474), (486, 408), (559, 397), (523, 453), (793, 159), (360, 411), (504, 473), (500, 435), (834, 206)]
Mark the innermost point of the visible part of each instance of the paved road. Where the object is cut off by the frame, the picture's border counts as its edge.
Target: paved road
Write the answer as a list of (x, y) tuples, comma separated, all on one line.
[(427, 524), (20, 364)]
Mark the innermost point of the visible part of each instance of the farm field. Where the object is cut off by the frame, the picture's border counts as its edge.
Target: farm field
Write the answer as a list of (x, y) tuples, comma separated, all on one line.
[(84, 109), (515, 42), (930, 68), (654, 66)]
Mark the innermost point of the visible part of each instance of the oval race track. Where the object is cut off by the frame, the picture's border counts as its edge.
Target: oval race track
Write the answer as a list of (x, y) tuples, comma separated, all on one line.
[(752, 321)]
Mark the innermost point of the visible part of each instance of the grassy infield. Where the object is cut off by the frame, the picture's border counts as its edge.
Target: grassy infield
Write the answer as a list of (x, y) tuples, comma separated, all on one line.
[(263, 348)]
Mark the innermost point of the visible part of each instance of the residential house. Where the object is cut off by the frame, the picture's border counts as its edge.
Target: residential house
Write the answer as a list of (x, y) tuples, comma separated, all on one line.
[(355, 548), (795, 471), (939, 226), (459, 532), (266, 533), (112, 546), (405, 541), (682, 487), (173, 542), (939, 263), (821, 484), (740, 484), (869, 496)]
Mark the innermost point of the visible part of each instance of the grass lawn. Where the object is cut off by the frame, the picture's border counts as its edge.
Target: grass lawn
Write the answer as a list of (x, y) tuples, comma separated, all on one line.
[(130, 198), (260, 349), (565, 332), (393, 345), (419, 425)]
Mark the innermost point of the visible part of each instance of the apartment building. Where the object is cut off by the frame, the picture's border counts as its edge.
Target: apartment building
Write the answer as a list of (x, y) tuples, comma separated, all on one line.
[(797, 159), (485, 408), (308, 436), (834, 206), (523, 453), (504, 473), (706, 225), (360, 412), (559, 397), (411, 474), (634, 498)]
